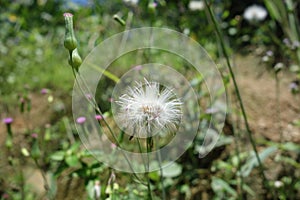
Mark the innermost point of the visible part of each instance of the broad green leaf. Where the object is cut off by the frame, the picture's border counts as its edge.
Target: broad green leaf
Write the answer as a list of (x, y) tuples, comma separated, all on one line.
[(290, 146), (154, 176), (252, 161), (58, 156), (72, 161), (221, 185), (172, 170)]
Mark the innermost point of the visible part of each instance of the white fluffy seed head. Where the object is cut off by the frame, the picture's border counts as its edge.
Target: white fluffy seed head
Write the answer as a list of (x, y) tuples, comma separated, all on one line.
[(145, 110)]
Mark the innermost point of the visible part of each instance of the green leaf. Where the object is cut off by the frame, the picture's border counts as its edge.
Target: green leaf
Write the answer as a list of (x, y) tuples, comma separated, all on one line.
[(252, 161), (221, 185), (290, 146), (73, 161), (172, 170), (154, 176), (58, 156)]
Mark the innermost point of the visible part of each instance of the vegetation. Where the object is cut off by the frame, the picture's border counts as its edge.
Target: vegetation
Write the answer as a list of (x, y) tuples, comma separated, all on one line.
[(45, 48)]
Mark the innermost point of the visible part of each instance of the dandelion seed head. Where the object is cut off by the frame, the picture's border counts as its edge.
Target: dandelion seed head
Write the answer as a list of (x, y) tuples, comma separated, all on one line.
[(147, 109)]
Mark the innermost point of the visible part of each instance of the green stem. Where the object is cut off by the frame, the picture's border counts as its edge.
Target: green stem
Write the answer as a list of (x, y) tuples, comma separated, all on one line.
[(148, 145), (161, 176), (278, 110), (249, 133), (46, 185)]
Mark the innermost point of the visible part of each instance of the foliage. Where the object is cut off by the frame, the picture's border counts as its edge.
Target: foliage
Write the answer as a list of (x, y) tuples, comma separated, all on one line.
[(33, 58)]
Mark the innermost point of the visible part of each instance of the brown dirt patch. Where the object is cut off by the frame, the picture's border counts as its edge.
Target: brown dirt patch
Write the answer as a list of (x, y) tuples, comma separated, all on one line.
[(258, 89)]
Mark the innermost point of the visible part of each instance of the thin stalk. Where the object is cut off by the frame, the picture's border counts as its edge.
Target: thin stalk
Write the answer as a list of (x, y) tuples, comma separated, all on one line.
[(240, 179), (22, 185), (278, 109), (148, 146), (140, 149), (161, 176), (249, 133), (46, 185)]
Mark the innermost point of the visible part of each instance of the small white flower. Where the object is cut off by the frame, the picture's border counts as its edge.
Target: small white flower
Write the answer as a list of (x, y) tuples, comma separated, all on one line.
[(131, 2), (147, 109), (278, 184), (196, 5), (97, 189), (255, 13)]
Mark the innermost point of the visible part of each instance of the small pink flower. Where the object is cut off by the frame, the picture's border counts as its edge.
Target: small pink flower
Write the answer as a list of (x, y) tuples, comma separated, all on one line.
[(88, 96), (138, 68), (80, 120), (22, 100), (44, 91), (5, 196), (211, 110), (8, 120), (98, 117), (68, 15), (113, 145), (110, 100), (34, 135)]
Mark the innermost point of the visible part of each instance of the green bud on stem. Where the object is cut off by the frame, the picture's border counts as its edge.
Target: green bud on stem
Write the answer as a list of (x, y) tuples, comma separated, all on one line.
[(76, 59), (70, 41), (35, 150), (119, 19)]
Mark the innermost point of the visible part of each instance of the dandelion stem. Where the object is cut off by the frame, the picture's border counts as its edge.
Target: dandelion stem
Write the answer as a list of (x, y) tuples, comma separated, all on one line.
[(249, 133), (148, 145), (161, 176)]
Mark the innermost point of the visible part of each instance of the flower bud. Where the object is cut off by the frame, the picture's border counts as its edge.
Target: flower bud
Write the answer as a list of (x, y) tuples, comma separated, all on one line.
[(76, 59), (35, 150), (70, 41), (152, 6), (119, 19), (8, 121), (8, 142)]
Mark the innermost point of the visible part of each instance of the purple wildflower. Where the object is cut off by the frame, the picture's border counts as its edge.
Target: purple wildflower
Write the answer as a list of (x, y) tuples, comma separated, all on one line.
[(294, 86), (34, 135), (80, 120), (113, 145), (269, 53), (68, 15), (8, 120), (88, 96), (22, 100), (138, 68), (44, 91), (286, 41), (5, 196), (98, 117), (211, 110)]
